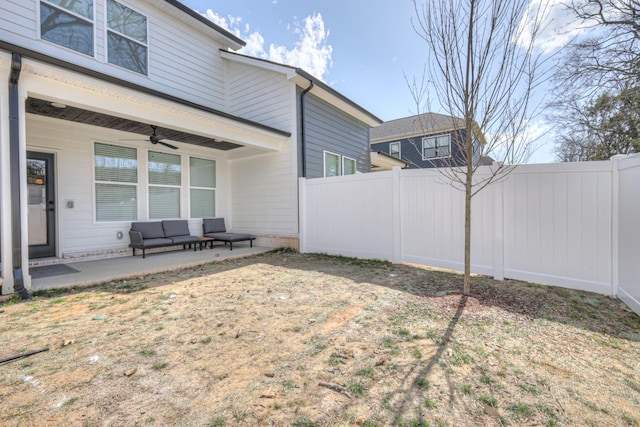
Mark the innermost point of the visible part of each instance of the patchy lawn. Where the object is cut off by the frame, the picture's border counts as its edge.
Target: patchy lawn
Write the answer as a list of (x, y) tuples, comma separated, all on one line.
[(312, 340)]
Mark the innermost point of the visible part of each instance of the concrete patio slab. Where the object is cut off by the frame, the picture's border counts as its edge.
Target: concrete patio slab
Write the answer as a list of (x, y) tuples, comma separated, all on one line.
[(99, 271)]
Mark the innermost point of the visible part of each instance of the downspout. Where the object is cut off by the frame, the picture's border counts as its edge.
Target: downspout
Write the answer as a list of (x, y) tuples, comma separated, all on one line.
[(303, 146), (14, 158)]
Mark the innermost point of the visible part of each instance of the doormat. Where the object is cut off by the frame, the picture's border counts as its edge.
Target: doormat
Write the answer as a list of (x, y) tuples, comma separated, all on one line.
[(51, 270)]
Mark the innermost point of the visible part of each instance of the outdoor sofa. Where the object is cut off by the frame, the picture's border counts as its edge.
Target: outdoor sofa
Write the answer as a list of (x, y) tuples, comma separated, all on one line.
[(214, 228), (157, 234)]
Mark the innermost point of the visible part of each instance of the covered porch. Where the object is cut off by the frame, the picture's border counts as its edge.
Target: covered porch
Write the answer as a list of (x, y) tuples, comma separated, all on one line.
[(63, 200)]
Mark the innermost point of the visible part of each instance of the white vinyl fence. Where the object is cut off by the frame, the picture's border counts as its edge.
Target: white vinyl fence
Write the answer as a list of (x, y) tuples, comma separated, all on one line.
[(575, 225)]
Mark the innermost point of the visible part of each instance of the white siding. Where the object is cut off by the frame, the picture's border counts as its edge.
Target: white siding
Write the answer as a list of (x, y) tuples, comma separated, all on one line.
[(264, 190), (260, 95), (182, 61), (72, 144)]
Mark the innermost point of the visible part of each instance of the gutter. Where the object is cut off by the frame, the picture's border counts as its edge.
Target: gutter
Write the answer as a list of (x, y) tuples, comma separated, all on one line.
[(303, 146), (16, 166)]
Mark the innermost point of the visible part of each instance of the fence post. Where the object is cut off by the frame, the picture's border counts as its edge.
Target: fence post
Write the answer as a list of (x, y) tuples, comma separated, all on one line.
[(302, 215), (498, 230), (396, 215), (615, 223)]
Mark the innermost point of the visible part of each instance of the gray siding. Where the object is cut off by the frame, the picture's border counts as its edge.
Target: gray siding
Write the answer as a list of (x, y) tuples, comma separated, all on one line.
[(327, 128), (411, 151)]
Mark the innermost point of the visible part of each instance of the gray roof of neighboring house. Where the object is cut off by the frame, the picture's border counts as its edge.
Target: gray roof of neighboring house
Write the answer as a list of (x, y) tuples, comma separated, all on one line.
[(420, 124)]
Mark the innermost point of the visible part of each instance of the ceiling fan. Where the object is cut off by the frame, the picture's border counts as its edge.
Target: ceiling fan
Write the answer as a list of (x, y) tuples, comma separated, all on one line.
[(156, 139)]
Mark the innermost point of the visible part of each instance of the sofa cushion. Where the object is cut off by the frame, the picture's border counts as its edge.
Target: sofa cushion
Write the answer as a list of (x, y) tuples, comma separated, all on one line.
[(230, 237), (213, 225), (149, 230), (175, 227), (154, 243), (182, 240)]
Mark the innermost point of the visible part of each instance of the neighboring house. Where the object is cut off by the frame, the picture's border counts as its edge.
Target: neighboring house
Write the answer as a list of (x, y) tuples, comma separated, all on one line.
[(424, 141), (381, 161), (85, 82)]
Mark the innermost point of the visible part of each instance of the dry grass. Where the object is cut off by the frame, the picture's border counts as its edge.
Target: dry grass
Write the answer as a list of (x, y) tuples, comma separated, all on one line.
[(247, 342)]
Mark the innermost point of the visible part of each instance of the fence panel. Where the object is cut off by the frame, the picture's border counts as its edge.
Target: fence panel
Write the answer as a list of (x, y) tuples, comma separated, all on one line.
[(557, 225), (432, 223), (349, 215), (629, 236), (574, 225)]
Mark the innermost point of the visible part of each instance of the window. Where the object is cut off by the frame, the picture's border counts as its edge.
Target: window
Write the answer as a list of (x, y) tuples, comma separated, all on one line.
[(116, 179), (331, 164), (165, 178), (336, 165), (203, 187), (434, 147), (348, 166), (68, 23), (126, 37), (394, 149)]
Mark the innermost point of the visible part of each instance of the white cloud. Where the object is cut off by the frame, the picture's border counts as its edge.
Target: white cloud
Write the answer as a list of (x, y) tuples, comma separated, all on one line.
[(532, 145), (311, 51), (558, 25)]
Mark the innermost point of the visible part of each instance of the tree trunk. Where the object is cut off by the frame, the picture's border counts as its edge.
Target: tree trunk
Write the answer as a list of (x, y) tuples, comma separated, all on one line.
[(467, 226)]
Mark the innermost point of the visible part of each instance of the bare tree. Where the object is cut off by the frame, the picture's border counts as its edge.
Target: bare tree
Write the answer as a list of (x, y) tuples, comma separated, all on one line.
[(598, 86), (609, 51), (482, 69)]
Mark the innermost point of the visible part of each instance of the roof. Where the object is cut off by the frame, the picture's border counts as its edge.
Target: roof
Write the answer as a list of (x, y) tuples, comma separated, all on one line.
[(421, 124), (235, 41), (303, 79)]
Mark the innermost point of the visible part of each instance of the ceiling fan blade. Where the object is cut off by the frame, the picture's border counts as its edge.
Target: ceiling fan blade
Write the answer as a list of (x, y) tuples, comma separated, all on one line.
[(166, 144)]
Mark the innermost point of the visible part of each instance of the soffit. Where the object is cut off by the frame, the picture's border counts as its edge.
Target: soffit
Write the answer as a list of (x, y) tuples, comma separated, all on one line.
[(80, 115)]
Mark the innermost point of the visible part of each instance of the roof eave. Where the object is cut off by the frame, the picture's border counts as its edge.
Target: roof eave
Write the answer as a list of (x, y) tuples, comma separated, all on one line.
[(234, 41), (383, 160), (320, 89)]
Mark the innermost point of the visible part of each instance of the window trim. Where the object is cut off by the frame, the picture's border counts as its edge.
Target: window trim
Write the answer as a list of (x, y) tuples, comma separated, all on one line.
[(180, 187), (58, 45), (397, 143), (136, 184), (107, 29), (355, 165), (324, 163), (425, 138), (194, 187)]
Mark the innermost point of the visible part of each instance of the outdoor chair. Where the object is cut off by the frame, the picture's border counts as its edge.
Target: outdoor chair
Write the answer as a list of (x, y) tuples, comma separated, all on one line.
[(215, 229)]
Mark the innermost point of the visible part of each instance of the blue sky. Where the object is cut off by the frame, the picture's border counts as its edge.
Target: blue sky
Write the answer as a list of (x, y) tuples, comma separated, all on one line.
[(361, 50)]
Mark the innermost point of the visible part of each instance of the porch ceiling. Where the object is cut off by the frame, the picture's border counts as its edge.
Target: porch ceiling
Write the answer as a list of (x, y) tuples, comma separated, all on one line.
[(80, 115)]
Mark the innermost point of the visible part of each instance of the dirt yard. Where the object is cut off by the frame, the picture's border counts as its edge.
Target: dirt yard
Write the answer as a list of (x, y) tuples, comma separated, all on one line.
[(311, 340)]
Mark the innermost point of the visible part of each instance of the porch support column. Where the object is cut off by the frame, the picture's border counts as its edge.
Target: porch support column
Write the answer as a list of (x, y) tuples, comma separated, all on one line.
[(18, 181), (6, 240)]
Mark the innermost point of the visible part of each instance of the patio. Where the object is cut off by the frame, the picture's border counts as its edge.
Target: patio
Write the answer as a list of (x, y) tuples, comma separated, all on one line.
[(92, 272)]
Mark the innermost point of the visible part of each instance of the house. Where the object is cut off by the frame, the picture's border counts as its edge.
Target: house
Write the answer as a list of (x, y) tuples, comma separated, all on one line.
[(381, 161), (425, 140), (116, 111)]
